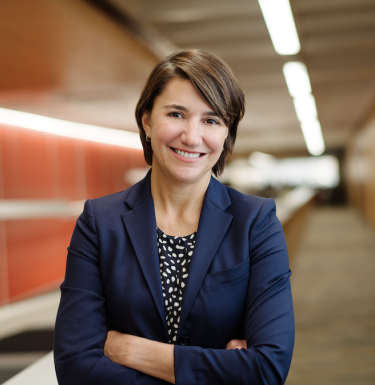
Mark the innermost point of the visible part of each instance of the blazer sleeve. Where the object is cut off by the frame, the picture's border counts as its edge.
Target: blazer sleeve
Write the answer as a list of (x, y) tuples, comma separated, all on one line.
[(269, 319), (81, 325)]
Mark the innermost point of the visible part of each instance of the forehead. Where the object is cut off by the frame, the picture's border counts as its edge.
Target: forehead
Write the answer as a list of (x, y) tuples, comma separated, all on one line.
[(181, 91)]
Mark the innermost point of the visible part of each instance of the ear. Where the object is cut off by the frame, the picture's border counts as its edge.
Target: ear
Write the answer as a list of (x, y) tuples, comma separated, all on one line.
[(146, 123)]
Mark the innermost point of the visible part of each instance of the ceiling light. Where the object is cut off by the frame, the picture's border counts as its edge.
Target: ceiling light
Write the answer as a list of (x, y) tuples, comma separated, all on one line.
[(312, 133), (261, 160), (70, 129), (280, 23), (297, 79), (305, 108), (298, 82)]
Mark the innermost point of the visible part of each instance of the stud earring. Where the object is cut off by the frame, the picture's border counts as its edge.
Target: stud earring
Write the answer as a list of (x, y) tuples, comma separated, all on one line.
[(148, 140)]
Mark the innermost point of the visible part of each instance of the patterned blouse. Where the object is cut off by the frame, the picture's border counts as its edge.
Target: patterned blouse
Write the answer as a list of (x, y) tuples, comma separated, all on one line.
[(174, 257)]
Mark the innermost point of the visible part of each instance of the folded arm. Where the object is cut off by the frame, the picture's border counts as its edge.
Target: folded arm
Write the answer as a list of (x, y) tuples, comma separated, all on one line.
[(82, 320), (150, 357), (82, 325), (263, 358)]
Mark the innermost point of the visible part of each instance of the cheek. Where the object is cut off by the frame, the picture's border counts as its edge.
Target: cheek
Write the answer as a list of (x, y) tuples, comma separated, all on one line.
[(164, 132), (216, 142)]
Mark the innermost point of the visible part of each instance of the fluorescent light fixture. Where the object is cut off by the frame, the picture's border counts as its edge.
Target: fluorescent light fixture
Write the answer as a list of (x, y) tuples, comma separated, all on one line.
[(305, 108), (312, 133), (281, 27), (261, 160), (297, 79), (298, 82), (70, 129), (312, 172)]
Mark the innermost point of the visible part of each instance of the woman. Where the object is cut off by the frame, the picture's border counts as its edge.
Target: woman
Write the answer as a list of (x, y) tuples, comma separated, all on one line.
[(168, 280)]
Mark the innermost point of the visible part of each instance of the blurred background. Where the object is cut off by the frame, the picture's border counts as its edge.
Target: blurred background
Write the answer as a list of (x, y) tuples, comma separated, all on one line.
[(71, 72)]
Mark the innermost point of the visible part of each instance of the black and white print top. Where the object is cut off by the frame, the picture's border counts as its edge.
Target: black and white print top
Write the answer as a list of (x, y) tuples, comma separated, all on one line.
[(174, 257)]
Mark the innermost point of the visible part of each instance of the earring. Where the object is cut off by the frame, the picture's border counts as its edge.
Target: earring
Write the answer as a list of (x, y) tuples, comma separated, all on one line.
[(148, 140)]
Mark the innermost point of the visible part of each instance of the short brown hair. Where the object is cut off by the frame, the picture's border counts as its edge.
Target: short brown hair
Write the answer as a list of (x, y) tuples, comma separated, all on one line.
[(215, 82)]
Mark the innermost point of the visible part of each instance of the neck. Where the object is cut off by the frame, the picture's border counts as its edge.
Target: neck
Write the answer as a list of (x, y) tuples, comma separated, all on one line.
[(177, 204)]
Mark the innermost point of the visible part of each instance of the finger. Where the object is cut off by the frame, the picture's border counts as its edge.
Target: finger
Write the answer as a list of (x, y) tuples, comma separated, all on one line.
[(236, 344)]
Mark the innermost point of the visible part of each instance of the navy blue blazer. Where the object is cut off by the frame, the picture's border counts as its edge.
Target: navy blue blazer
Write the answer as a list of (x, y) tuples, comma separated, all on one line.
[(238, 287)]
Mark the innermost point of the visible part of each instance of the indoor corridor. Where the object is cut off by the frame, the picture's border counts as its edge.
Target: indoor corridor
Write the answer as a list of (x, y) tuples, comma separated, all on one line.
[(334, 299), (71, 76)]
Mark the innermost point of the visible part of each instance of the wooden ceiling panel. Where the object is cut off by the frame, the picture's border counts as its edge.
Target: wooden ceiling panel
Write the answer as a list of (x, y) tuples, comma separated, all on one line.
[(349, 42), (174, 12), (73, 60), (337, 22), (347, 105), (323, 6), (65, 59), (239, 50), (344, 60), (204, 32), (268, 111), (271, 142), (56, 45), (24, 43)]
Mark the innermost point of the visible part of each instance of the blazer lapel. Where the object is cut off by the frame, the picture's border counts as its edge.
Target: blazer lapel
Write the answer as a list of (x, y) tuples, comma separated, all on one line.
[(140, 223), (213, 224)]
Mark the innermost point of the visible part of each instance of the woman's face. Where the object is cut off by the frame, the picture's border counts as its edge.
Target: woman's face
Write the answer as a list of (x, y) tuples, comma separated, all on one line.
[(187, 136)]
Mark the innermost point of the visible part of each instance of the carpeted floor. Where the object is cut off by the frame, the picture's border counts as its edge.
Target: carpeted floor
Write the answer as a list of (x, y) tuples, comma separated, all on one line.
[(333, 286)]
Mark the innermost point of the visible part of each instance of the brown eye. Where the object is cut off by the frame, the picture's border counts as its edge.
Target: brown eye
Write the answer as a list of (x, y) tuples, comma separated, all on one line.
[(212, 121), (175, 115)]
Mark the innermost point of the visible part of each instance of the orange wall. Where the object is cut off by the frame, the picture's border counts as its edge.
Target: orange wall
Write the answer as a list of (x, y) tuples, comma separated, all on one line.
[(35, 165), (360, 171)]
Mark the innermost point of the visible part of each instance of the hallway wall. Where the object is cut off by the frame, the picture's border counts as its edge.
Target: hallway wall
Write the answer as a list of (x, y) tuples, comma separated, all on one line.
[(360, 171), (35, 165)]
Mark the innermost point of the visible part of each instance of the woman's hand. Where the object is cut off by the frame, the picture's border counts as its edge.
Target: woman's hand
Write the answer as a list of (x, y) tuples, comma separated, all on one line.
[(150, 357), (236, 344)]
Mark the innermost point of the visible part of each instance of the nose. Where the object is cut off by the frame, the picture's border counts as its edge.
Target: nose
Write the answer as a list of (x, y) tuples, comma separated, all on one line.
[(192, 133)]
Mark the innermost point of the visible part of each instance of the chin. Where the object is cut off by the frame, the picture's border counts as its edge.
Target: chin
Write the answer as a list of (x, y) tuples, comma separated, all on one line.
[(190, 176)]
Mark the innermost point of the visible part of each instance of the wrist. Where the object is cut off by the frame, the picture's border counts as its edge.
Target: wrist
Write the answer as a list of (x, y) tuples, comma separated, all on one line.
[(150, 357), (136, 349), (153, 358)]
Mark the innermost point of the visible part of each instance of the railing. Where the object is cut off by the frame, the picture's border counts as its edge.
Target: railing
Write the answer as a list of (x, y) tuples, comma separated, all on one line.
[(16, 209), (34, 313), (41, 372), (292, 211)]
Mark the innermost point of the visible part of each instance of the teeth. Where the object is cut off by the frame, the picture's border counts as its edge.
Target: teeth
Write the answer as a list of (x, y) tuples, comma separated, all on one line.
[(188, 154)]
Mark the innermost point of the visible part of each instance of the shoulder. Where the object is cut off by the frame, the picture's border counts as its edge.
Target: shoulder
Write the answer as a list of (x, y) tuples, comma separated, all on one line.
[(123, 200), (248, 211), (107, 205), (250, 205), (239, 198)]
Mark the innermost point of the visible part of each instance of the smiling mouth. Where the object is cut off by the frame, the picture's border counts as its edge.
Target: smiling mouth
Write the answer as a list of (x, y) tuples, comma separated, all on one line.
[(186, 154)]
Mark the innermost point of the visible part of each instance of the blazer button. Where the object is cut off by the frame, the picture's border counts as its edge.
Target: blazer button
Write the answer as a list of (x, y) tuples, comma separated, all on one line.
[(184, 340)]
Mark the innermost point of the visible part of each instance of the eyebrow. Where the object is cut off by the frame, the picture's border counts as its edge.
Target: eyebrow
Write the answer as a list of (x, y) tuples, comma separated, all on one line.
[(182, 108)]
